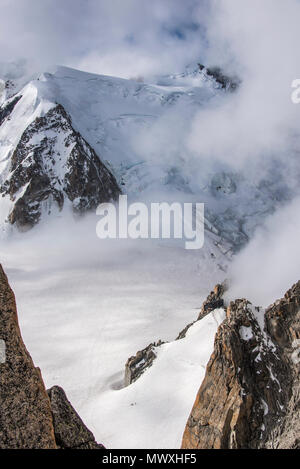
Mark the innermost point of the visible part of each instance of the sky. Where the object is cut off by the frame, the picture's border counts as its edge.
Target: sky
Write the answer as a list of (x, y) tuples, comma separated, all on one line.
[(118, 37), (129, 38)]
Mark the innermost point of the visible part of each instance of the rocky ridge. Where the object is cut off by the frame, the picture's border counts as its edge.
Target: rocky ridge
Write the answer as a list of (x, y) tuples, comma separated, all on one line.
[(249, 397), (144, 359), (250, 394), (139, 363)]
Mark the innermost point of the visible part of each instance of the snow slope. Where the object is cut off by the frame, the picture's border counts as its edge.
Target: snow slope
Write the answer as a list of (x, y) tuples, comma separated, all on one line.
[(85, 308), (156, 407)]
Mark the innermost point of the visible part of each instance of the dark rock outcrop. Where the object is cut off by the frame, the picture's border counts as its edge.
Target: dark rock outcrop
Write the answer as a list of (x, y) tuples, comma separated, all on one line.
[(31, 418), (52, 164), (226, 82), (250, 393), (70, 431), (138, 364), (213, 301), (7, 109)]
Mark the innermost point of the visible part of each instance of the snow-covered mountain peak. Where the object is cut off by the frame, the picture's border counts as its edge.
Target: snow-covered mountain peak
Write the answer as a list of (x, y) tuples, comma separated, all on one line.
[(197, 75), (45, 164), (138, 132)]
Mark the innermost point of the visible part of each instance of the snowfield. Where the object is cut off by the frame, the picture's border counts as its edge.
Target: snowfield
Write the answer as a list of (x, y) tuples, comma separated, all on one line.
[(86, 307)]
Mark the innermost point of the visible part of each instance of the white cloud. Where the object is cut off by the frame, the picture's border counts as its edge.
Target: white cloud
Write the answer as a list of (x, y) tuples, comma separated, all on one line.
[(258, 41), (121, 37), (269, 265)]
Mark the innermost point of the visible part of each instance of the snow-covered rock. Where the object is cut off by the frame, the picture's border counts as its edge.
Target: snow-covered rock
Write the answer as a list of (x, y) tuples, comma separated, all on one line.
[(50, 165), (249, 397)]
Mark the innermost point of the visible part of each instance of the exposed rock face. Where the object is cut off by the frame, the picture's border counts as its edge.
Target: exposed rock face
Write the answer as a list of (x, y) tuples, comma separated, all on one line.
[(25, 412), (283, 324), (283, 321), (70, 431), (52, 164), (225, 82), (29, 418), (286, 435), (137, 365), (213, 301), (250, 393), (8, 108)]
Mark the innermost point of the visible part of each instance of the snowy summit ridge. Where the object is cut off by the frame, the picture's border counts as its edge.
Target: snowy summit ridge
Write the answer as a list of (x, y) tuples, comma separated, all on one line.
[(70, 140), (55, 129)]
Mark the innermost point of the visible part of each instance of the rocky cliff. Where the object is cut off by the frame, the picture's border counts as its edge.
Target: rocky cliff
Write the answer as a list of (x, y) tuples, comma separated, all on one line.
[(250, 394), (52, 165), (31, 418)]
